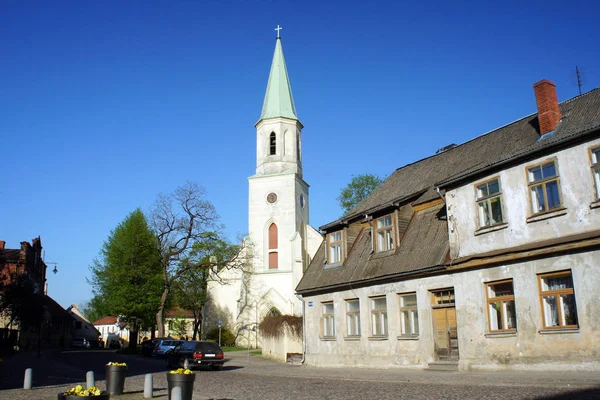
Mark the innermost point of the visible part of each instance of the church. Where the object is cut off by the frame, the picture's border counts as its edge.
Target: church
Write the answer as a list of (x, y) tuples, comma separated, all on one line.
[(280, 242)]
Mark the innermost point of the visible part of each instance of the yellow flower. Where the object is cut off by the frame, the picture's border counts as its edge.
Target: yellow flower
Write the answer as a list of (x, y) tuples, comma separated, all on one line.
[(117, 364), (80, 391), (181, 371)]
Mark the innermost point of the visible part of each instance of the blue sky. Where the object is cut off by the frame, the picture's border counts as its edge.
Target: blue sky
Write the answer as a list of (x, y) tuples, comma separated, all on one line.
[(103, 105)]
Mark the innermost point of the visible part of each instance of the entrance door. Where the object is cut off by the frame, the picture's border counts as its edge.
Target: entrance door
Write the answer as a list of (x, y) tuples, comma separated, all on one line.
[(444, 326)]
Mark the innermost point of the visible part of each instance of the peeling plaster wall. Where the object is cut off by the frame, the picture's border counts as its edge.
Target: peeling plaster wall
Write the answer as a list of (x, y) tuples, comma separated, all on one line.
[(577, 190), (525, 349)]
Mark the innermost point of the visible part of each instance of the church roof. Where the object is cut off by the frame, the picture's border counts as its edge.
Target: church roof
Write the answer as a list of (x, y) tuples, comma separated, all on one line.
[(278, 98)]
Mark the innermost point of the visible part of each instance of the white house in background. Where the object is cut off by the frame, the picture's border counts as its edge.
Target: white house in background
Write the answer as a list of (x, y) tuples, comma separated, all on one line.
[(83, 327), (111, 330), (280, 240), (482, 256)]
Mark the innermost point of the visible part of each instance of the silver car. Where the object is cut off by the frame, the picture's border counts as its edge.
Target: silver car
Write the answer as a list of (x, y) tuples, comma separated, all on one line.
[(164, 345)]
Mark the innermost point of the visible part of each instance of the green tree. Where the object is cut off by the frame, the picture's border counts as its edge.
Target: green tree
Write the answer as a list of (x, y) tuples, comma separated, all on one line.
[(359, 188), (126, 279), (187, 229)]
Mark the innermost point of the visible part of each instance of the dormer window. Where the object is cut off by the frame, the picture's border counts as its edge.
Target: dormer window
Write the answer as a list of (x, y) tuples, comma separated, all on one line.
[(272, 144), (335, 248), (385, 233)]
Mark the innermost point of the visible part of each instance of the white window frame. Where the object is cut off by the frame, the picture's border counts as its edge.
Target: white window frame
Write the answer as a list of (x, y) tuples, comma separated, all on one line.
[(335, 247), (353, 317), (384, 232), (379, 320), (595, 158), (328, 320), (409, 315), (543, 182), (485, 199)]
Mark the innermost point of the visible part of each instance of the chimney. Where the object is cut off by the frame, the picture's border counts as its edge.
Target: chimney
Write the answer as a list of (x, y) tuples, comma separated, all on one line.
[(547, 104), (2, 244)]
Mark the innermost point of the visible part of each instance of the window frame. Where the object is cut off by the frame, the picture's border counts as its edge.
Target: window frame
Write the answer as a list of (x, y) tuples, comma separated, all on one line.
[(487, 199), (558, 293), (272, 144), (503, 300), (543, 182), (379, 318), (340, 243), (353, 319), (327, 320), (594, 153), (409, 309), (391, 228)]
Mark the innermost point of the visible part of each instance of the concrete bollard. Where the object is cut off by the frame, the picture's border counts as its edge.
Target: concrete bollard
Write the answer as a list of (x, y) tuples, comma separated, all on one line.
[(148, 386), (28, 378), (176, 393), (89, 379)]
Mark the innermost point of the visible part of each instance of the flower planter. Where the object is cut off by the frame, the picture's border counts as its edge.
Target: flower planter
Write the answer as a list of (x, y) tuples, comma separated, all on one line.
[(184, 381), (103, 396), (115, 379)]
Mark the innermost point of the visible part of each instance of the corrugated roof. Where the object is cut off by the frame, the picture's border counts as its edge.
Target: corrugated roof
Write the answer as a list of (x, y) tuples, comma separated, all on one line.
[(580, 115), (425, 246)]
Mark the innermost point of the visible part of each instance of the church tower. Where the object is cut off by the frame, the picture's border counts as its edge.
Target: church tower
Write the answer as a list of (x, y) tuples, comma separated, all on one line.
[(280, 241), (278, 195)]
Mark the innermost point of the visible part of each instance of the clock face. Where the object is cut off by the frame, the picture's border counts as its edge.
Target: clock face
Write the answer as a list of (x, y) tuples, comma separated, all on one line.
[(272, 197)]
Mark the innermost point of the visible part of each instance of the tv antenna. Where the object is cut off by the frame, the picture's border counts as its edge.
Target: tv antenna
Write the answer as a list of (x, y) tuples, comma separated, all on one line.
[(578, 79)]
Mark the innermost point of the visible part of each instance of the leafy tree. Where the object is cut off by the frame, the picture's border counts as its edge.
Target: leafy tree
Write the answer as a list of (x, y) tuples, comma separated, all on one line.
[(127, 279), (188, 232), (93, 309), (359, 188)]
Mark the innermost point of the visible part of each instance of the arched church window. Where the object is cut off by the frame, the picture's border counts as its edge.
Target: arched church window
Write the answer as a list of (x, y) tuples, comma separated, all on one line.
[(298, 150), (272, 144), (273, 253), (273, 312)]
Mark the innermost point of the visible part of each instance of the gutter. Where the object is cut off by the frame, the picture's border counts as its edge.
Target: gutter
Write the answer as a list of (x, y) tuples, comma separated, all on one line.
[(348, 285), (301, 298)]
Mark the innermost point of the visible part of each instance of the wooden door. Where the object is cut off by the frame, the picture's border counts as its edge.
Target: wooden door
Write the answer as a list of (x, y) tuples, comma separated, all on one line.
[(445, 334)]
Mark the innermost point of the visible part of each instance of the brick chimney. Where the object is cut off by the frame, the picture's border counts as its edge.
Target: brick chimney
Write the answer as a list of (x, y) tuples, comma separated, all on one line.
[(547, 104), (2, 244)]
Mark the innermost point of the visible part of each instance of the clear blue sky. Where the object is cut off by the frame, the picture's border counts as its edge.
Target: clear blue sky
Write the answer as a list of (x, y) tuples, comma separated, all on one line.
[(105, 104)]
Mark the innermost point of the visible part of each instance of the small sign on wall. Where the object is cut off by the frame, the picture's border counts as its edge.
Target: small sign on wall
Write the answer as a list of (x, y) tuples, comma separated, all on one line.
[(310, 303)]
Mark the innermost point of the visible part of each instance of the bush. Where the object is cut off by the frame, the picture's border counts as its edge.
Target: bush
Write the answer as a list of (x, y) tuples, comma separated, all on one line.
[(227, 337), (275, 325)]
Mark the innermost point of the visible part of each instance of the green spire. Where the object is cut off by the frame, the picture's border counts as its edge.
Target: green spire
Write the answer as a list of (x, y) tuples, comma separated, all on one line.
[(278, 99)]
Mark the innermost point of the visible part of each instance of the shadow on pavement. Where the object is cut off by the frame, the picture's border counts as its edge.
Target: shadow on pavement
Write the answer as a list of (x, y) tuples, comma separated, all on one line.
[(583, 394)]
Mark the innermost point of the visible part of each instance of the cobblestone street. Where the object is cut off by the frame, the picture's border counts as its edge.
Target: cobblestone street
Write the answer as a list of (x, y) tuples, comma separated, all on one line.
[(252, 377)]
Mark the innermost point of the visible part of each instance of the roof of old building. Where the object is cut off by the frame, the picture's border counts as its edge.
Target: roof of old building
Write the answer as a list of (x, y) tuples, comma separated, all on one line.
[(109, 320), (517, 139), (424, 246)]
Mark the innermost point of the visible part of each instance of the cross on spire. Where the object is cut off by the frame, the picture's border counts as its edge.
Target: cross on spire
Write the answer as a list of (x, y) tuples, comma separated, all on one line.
[(278, 29)]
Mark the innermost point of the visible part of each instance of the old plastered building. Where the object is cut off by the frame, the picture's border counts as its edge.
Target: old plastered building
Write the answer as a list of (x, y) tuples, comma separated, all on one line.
[(280, 240), (482, 256)]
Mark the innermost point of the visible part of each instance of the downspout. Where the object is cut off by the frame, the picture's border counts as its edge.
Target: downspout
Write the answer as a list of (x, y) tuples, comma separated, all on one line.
[(301, 298)]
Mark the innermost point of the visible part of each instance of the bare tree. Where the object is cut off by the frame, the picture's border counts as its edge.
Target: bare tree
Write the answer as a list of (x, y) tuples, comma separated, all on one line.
[(183, 222)]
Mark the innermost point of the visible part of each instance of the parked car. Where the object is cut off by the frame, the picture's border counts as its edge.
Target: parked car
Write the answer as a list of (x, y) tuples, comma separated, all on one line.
[(148, 347), (80, 342), (164, 345), (194, 354)]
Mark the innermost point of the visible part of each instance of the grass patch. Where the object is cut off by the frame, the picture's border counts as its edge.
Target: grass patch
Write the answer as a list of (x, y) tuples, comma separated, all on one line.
[(233, 348)]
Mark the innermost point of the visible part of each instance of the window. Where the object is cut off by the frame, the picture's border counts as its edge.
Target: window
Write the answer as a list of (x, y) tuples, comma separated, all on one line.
[(385, 233), (272, 144), (353, 317), (328, 320), (409, 318), (558, 300), (501, 306), (544, 187), (334, 244), (489, 203), (273, 254), (379, 316), (596, 169)]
